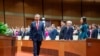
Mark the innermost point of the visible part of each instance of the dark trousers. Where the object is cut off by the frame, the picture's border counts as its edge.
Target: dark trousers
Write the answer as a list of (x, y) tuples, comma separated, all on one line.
[(36, 47), (61, 37), (68, 38)]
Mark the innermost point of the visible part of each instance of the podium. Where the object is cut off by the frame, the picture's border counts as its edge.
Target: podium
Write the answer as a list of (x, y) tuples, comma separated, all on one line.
[(88, 47), (7, 46)]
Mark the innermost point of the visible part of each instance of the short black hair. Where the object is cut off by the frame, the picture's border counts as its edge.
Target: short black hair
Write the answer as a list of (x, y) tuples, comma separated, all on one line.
[(84, 20)]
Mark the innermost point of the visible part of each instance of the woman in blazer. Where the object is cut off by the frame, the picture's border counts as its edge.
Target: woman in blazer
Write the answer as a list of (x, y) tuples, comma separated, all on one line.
[(83, 33)]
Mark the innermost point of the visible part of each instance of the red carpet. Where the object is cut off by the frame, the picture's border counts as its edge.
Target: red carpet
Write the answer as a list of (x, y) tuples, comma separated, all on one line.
[(26, 54)]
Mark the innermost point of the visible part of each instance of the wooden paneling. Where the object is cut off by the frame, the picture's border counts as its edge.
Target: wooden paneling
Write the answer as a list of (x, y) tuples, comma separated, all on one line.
[(14, 13), (1, 11), (1, 18), (14, 6), (93, 47), (70, 47), (30, 20), (72, 8), (52, 9), (93, 21), (19, 43), (89, 47), (75, 48), (14, 21), (1, 5), (56, 22), (50, 49), (90, 9), (7, 46), (33, 6), (1, 51)]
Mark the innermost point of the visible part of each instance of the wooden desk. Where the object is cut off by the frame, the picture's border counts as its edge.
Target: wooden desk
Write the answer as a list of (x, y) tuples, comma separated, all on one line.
[(93, 47), (89, 47), (7, 46)]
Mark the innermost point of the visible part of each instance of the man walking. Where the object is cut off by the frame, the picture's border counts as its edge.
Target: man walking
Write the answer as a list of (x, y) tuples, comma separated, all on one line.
[(37, 34)]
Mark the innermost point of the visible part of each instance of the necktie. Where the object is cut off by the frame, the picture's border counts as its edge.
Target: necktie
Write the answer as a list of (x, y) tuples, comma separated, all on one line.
[(37, 25)]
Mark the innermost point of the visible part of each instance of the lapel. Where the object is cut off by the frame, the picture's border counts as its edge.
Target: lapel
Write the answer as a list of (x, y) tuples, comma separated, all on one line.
[(39, 25), (35, 24)]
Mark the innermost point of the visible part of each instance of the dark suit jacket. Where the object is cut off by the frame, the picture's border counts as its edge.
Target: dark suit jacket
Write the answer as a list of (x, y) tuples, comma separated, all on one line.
[(53, 34), (99, 30), (37, 35), (94, 33), (69, 33), (61, 35)]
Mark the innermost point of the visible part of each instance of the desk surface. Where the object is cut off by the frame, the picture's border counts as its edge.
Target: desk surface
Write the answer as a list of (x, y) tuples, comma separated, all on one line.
[(64, 47)]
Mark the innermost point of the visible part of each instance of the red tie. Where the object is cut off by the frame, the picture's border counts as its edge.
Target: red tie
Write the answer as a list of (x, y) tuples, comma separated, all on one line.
[(37, 25)]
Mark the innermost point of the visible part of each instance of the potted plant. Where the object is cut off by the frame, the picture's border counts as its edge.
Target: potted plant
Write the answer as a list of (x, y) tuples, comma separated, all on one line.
[(4, 30)]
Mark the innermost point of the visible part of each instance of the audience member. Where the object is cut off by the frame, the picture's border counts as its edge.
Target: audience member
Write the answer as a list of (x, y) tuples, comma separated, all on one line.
[(53, 32), (68, 35), (94, 33), (62, 31), (83, 29)]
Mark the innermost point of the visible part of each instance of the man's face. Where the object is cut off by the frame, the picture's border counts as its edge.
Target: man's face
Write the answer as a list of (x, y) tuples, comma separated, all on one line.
[(37, 17), (68, 24), (81, 20)]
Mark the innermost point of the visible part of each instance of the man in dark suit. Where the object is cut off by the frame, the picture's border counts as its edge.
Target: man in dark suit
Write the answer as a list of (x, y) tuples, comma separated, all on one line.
[(63, 26), (94, 31), (37, 34), (68, 35)]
